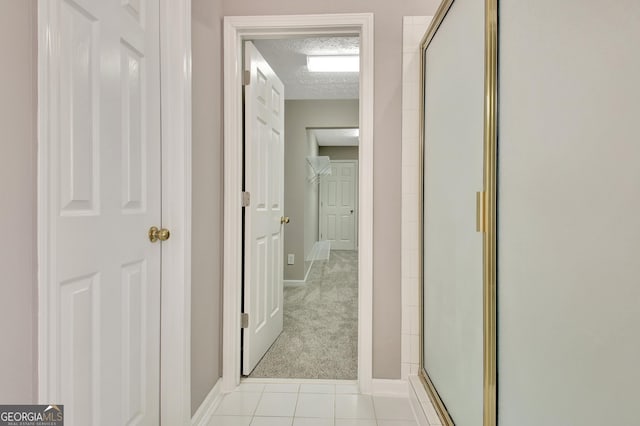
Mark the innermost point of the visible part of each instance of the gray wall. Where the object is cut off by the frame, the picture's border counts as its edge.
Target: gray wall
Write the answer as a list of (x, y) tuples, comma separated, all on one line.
[(18, 121), (569, 197), (18, 150), (206, 272), (299, 194), (340, 152), (387, 152)]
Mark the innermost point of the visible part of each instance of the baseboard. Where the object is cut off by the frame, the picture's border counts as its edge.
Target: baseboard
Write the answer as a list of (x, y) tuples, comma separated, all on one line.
[(208, 407), (390, 387), (423, 409), (298, 381), (296, 283), (293, 283)]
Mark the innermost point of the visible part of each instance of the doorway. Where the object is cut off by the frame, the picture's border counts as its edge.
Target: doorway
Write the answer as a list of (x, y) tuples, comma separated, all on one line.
[(304, 326), (237, 30)]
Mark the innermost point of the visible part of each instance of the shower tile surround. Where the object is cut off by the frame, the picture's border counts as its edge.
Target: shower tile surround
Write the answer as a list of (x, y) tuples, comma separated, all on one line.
[(414, 28)]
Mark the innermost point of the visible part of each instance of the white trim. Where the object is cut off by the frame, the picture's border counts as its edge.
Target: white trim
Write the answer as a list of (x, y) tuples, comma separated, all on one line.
[(175, 368), (298, 381), (235, 29), (390, 387), (205, 412), (46, 53), (175, 39), (297, 283), (423, 409)]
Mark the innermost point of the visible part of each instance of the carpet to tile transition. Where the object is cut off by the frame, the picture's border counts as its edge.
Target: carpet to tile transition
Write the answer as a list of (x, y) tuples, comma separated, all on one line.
[(320, 336)]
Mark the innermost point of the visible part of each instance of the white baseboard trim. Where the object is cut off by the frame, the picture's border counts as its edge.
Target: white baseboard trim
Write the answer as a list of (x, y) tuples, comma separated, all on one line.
[(390, 387), (298, 381), (208, 407), (297, 283), (423, 409)]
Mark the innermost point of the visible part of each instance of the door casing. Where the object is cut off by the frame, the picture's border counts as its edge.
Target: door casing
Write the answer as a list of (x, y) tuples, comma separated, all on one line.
[(236, 30), (175, 323)]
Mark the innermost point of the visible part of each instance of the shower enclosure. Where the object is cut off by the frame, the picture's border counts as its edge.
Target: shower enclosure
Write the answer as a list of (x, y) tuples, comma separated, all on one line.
[(458, 145)]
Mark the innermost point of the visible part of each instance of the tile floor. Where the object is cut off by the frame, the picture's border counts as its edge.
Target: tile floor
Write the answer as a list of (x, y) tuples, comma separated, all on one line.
[(304, 404)]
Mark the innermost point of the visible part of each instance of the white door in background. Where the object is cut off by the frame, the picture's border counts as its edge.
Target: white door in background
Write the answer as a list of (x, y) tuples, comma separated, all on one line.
[(101, 132), (264, 180), (338, 205)]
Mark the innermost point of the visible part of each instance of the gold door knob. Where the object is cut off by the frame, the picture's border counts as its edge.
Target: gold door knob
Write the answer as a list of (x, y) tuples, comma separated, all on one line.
[(284, 219), (156, 234)]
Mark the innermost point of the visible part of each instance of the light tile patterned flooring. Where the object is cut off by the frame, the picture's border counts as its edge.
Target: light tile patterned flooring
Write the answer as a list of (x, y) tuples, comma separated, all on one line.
[(306, 404)]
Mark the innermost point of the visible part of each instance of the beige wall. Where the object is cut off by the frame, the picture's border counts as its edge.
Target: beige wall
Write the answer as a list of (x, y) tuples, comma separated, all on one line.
[(18, 150), (340, 152), (569, 202), (18, 121), (387, 152), (300, 196), (206, 273)]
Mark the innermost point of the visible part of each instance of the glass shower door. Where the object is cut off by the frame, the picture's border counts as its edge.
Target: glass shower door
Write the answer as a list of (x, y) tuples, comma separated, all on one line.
[(453, 249)]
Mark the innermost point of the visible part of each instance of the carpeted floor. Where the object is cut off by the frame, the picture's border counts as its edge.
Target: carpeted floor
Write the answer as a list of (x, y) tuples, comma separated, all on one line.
[(320, 336)]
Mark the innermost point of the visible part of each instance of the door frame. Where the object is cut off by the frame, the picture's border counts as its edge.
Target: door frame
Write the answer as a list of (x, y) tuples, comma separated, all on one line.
[(236, 29), (175, 322), (356, 195)]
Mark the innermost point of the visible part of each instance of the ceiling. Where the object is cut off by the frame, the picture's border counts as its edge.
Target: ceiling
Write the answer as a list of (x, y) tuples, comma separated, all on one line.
[(288, 58), (337, 137)]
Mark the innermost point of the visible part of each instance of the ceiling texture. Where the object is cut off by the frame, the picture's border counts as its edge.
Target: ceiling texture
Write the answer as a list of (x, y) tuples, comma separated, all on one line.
[(288, 58)]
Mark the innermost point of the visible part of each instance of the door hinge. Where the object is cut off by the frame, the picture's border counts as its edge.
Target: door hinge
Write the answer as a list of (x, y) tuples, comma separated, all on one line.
[(246, 199), (244, 320), (246, 78)]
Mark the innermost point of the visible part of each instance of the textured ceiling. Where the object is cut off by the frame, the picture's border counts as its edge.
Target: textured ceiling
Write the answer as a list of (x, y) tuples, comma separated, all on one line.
[(336, 137), (288, 58)]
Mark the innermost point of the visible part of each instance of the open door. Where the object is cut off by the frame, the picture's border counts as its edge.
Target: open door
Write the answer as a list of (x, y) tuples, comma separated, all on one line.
[(264, 220)]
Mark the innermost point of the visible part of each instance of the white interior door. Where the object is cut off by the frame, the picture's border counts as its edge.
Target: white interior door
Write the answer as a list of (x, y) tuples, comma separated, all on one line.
[(264, 177), (102, 136), (338, 205)]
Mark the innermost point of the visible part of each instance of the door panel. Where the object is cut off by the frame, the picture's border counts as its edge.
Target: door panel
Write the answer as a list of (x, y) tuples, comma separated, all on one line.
[(264, 177), (453, 159), (338, 205), (103, 134)]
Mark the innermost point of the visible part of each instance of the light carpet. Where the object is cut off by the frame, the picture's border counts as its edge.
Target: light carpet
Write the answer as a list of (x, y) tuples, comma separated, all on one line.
[(320, 336)]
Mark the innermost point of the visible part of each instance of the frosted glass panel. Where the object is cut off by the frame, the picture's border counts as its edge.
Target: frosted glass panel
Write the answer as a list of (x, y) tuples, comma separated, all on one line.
[(453, 161)]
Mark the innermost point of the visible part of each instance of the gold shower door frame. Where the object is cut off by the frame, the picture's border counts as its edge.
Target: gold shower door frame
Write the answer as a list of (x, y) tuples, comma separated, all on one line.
[(487, 214)]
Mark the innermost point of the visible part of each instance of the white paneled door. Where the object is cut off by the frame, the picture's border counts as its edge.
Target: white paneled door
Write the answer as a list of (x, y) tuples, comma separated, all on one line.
[(338, 205), (101, 133), (264, 180)]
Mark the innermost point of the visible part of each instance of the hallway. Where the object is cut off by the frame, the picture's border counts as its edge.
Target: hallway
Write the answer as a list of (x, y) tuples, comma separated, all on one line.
[(320, 336)]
